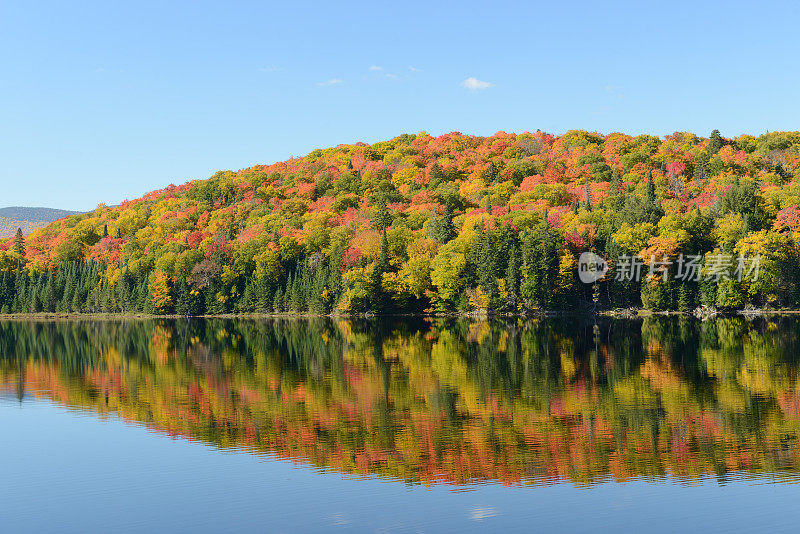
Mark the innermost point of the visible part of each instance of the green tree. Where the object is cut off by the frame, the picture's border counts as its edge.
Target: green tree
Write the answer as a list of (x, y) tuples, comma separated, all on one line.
[(19, 245), (381, 267), (650, 189), (715, 142), (587, 197)]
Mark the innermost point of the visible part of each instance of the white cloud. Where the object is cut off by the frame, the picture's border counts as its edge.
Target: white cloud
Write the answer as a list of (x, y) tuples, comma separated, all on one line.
[(375, 67), (413, 69), (269, 68), (474, 84), (391, 76), (332, 81)]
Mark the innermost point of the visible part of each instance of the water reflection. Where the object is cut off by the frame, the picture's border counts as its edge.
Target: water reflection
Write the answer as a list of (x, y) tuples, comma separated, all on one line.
[(441, 400)]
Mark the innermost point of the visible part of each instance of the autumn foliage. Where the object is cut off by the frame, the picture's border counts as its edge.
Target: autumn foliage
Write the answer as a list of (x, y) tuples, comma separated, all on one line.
[(470, 224)]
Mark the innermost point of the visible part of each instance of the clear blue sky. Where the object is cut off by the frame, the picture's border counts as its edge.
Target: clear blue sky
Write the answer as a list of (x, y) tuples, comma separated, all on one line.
[(103, 101)]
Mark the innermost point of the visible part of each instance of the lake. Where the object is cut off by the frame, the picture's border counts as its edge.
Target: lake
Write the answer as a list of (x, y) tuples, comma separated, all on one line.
[(423, 425)]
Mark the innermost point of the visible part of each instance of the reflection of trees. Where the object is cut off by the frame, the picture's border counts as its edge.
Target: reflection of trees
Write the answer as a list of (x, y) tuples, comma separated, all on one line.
[(444, 399)]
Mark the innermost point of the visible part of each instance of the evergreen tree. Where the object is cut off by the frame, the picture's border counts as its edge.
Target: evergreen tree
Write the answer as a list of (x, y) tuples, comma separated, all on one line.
[(684, 298), (615, 186), (701, 170), (48, 297), (249, 300), (381, 218), (264, 294), (513, 277), (715, 142), (587, 197), (435, 176), (490, 174), (19, 246), (650, 189), (277, 301), (443, 228), (539, 265), (183, 298), (485, 265)]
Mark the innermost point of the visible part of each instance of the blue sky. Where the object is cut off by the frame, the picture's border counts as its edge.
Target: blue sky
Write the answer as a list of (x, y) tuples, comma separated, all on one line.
[(105, 101)]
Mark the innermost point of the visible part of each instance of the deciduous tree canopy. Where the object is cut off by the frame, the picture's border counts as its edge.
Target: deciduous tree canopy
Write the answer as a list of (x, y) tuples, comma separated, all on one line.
[(448, 223)]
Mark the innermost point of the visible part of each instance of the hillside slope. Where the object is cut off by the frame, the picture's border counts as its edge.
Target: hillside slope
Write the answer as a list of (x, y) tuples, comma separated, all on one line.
[(448, 223), (28, 219)]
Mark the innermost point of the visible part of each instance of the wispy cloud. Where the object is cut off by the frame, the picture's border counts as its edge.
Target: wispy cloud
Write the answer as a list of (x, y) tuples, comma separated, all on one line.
[(413, 69), (474, 84), (375, 67), (269, 68), (391, 76), (332, 81)]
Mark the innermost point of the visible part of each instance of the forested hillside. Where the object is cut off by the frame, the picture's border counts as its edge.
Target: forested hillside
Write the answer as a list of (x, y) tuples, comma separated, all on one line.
[(27, 219), (453, 223)]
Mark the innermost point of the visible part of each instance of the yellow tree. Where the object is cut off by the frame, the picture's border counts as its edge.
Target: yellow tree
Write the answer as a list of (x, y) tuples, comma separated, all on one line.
[(160, 294)]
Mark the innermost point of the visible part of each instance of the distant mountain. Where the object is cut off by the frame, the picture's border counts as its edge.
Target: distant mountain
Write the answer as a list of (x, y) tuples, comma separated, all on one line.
[(29, 219)]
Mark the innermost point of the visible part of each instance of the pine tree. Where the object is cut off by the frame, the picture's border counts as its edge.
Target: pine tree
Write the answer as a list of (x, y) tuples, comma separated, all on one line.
[(298, 297), (249, 299), (490, 174), (513, 276), (444, 230), (381, 217), (486, 263), (19, 246), (715, 142), (650, 189), (4, 292), (435, 176), (615, 186), (587, 197), (264, 302), (540, 265), (48, 297), (684, 298), (334, 281), (182, 302), (277, 301)]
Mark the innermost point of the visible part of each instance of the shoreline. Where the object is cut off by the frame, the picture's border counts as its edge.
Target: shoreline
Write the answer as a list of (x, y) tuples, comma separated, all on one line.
[(612, 314)]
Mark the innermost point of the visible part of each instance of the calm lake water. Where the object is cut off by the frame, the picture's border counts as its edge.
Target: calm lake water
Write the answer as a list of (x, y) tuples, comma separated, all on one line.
[(415, 426)]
